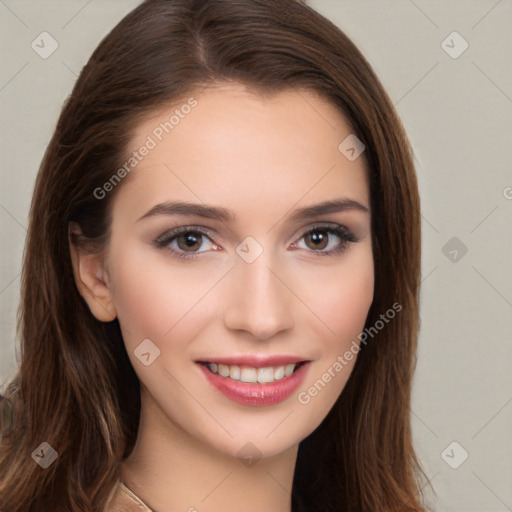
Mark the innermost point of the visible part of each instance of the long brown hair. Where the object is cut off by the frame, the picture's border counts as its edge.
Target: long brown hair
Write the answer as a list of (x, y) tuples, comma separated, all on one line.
[(74, 370)]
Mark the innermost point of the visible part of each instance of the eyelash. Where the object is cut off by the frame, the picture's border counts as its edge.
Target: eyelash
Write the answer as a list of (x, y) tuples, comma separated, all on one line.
[(342, 232)]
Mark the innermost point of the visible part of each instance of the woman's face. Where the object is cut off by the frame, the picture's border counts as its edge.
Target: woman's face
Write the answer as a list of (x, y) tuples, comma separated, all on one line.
[(261, 281)]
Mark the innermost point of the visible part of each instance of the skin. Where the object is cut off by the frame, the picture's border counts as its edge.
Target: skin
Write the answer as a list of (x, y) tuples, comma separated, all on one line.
[(263, 158)]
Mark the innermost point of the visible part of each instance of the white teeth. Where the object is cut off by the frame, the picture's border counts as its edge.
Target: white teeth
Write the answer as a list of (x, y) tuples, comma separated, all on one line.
[(289, 369), (234, 372), (279, 373), (252, 375), (223, 370), (248, 375), (266, 375)]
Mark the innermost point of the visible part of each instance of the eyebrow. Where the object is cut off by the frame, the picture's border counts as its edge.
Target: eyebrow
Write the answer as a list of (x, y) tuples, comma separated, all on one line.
[(227, 215)]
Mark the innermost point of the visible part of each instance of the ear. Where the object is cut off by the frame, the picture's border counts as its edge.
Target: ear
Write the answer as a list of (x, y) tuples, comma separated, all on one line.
[(91, 278)]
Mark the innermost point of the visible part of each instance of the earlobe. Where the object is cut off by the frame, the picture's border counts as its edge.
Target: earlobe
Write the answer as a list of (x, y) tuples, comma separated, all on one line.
[(91, 279)]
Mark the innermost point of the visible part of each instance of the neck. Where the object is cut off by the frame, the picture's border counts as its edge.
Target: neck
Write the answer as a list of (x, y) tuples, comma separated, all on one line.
[(170, 469)]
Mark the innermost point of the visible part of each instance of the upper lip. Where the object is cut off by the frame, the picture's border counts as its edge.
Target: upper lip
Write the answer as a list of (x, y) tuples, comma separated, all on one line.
[(254, 360)]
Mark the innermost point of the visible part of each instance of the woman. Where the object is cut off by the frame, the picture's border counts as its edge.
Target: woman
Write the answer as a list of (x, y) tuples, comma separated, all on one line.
[(220, 286)]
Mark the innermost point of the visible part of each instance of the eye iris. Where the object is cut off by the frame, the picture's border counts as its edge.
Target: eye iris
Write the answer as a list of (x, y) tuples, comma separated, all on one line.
[(191, 241), (318, 237)]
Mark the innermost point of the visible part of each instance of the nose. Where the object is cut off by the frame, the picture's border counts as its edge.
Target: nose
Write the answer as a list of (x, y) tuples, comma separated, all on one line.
[(258, 301)]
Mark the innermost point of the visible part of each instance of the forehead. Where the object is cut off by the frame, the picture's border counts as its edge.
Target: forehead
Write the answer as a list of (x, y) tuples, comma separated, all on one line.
[(231, 147)]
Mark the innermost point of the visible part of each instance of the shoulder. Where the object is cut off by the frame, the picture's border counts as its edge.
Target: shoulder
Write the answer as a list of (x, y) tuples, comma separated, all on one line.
[(123, 500)]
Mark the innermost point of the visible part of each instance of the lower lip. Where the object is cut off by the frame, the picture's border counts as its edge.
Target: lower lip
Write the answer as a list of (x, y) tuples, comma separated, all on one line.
[(257, 394)]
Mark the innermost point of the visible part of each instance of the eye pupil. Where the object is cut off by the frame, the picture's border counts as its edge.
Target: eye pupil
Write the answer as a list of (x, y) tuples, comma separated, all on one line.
[(319, 238), (191, 241)]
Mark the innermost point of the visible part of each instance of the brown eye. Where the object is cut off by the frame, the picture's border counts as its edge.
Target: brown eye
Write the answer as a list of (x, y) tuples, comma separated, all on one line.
[(190, 241), (317, 239), (326, 240), (186, 242)]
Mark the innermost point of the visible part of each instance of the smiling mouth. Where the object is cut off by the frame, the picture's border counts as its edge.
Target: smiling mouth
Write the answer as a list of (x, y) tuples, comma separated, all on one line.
[(251, 374)]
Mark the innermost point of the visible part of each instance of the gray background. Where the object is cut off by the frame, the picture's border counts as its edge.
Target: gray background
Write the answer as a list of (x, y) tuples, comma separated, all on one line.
[(458, 115)]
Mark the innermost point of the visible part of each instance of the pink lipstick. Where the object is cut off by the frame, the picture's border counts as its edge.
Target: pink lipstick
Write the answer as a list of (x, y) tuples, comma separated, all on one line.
[(255, 380)]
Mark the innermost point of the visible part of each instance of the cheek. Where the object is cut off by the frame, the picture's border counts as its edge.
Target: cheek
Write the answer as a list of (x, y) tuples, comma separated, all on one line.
[(343, 305), (154, 300), (341, 297), (350, 305)]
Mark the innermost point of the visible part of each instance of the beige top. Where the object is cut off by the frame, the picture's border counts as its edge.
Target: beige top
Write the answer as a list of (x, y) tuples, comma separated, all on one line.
[(123, 499)]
